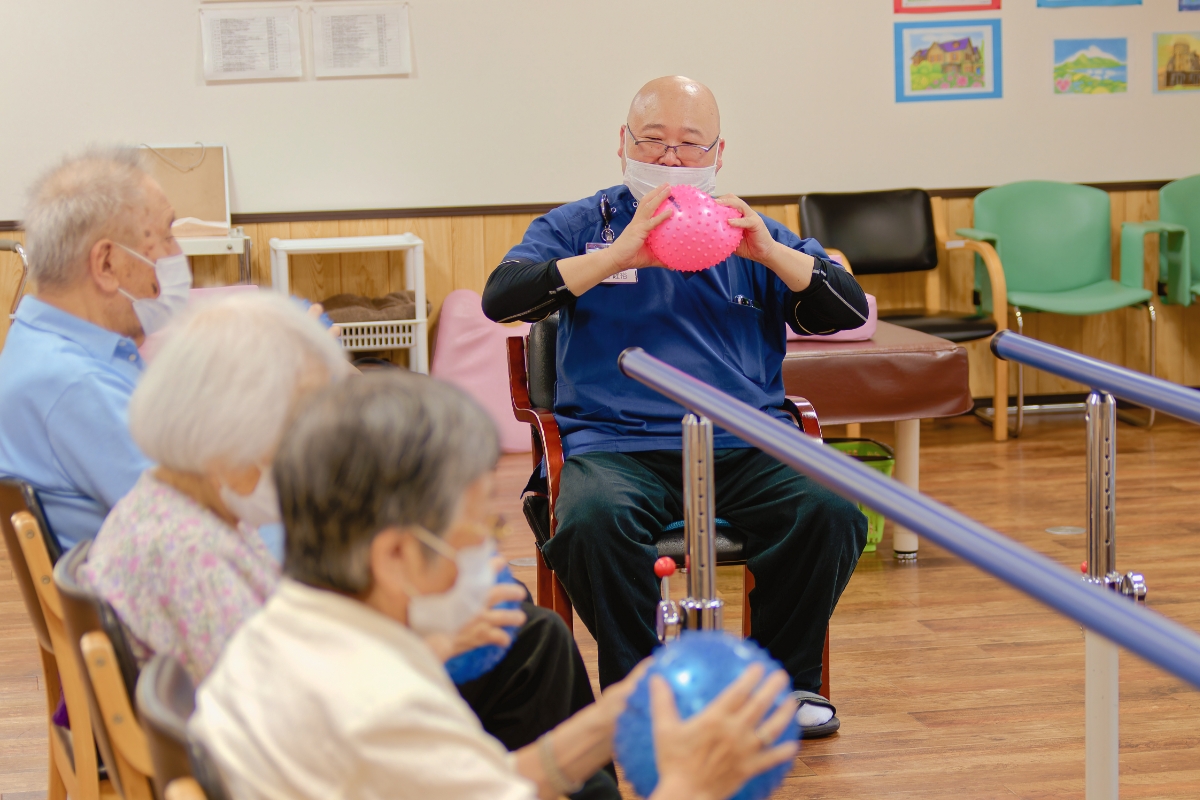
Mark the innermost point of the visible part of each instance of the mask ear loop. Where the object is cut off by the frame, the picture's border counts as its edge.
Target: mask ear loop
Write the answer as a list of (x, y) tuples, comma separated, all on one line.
[(433, 542)]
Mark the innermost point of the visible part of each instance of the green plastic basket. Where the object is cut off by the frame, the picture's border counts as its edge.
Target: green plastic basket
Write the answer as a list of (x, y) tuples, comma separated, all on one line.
[(877, 456)]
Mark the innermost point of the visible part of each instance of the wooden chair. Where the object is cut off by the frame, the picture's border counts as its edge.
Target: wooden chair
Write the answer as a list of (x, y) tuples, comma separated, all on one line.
[(101, 646), (74, 767), (532, 374), (183, 769), (903, 230)]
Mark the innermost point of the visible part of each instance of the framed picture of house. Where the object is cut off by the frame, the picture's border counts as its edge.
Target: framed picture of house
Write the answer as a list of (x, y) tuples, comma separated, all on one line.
[(942, 6), (1177, 62), (948, 60)]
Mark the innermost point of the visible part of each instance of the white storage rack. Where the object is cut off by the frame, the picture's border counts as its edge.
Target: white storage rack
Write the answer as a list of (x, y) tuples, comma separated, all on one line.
[(399, 334)]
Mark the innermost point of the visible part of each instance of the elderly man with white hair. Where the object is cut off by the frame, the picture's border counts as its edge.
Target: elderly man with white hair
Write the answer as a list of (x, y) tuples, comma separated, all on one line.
[(108, 272)]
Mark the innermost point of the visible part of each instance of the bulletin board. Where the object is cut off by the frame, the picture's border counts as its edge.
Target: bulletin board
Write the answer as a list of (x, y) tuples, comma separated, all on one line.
[(194, 177)]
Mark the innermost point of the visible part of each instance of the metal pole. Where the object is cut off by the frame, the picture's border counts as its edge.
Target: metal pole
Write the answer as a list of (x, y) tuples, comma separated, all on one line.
[(700, 609), (1100, 416), (1101, 685)]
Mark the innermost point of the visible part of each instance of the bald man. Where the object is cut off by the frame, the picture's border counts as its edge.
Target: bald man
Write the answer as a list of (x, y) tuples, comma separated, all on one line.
[(621, 483)]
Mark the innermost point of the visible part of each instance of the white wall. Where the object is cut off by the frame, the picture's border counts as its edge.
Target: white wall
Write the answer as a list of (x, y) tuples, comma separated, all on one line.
[(519, 101)]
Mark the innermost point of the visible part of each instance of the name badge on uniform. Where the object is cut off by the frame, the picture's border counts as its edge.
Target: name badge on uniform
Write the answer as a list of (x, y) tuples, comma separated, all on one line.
[(625, 276)]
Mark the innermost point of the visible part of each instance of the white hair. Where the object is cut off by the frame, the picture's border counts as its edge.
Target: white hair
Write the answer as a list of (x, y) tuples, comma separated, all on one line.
[(82, 200), (221, 389)]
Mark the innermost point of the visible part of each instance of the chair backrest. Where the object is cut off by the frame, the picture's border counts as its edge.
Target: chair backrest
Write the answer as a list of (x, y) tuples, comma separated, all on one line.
[(166, 699), (1179, 202), (78, 765), (1052, 236), (880, 232), (541, 363), (110, 674), (19, 496)]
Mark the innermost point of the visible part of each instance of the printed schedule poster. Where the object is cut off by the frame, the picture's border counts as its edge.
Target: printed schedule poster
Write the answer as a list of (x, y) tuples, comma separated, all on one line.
[(246, 44), (361, 40)]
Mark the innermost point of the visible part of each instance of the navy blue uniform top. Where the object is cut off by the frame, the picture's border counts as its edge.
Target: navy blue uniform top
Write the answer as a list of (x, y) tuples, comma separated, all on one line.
[(724, 325)]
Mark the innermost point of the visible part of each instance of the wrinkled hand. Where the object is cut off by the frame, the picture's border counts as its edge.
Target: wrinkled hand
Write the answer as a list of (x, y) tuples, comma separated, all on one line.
[(630, 250), (712, 754), (757, 244), (486, 627)]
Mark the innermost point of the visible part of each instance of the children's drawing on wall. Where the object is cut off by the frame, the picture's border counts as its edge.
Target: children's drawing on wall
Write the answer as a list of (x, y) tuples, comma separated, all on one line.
[(953, 60), (1189, 5), (1090, 66), (941, 6), (1177, 62), (1071, 3)]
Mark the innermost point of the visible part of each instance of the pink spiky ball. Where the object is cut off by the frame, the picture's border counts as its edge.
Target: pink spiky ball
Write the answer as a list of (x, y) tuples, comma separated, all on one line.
[(697, 235)]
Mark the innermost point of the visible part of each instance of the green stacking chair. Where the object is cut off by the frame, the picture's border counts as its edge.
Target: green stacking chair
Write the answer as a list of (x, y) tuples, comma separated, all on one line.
[(1178, 231), (1055, 245)]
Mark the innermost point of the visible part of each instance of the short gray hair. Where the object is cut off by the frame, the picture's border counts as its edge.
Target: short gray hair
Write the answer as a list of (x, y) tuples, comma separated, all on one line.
[(223, 385), (71, 207), (388, 450)]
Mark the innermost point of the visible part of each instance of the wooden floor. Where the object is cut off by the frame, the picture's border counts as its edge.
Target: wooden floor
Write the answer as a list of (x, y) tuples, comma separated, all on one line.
[(948, 684)]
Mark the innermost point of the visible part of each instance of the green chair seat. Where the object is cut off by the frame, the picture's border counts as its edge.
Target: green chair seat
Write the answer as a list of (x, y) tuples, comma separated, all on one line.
[(1094, 299)]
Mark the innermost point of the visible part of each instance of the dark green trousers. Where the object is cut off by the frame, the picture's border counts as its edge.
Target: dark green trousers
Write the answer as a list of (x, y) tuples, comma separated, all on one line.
[(802, 543)]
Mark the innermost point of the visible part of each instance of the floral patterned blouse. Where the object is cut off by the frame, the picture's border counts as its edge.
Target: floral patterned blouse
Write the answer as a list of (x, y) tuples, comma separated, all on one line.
[(179, 577)]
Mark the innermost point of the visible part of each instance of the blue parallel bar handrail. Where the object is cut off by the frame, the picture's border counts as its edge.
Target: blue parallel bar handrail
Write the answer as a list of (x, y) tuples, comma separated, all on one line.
[(1150, 635), (1171, 398)]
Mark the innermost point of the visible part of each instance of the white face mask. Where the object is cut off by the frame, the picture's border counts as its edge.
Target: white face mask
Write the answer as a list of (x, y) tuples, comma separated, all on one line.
[(642, 178), (260, 507), (449, 611), (174, 281)]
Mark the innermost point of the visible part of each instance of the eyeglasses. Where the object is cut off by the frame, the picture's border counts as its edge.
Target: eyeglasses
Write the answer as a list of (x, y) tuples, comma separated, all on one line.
[(653, 150)]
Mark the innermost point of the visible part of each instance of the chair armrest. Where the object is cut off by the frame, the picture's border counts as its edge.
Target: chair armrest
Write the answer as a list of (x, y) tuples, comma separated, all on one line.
[(978, 235), (1173, 254), (804, 414), (542, 419), (995, 272)]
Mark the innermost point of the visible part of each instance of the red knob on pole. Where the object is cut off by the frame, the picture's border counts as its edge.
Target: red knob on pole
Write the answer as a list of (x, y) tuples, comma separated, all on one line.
[(1083, 568), (664, 567)]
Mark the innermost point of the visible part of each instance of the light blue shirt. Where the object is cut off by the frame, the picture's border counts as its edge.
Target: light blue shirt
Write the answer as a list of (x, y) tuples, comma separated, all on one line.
[(64, 426)]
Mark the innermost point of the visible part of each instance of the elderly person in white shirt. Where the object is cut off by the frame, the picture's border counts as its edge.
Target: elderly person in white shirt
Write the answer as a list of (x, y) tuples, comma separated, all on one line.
[(333, 690)]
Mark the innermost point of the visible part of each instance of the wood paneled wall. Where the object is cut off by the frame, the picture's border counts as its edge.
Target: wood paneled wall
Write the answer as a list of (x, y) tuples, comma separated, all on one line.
[(460, 252)]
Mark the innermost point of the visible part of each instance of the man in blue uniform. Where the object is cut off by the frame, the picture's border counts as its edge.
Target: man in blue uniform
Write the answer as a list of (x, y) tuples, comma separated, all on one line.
[(621, 482)]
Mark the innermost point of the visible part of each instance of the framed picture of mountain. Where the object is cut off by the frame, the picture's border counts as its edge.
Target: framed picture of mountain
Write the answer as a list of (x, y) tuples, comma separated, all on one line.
[(1073, 3), (1177, 62), (1091, 66), (948, 60), (941, 6)]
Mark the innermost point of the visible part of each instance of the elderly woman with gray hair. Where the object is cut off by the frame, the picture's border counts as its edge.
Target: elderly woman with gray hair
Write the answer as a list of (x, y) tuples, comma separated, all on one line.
[(383, 483)]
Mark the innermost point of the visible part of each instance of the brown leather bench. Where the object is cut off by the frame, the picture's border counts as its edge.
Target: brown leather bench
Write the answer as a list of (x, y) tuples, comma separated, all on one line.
[(899, 375)]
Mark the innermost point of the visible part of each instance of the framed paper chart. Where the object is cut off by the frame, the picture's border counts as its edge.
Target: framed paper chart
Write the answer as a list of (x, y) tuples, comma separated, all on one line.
[(951, 60), (1177, 62), (940, 6), (1091, 66)]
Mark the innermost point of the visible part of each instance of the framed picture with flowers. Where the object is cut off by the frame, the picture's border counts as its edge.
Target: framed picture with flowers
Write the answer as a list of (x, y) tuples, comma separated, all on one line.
[(948, 60)]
